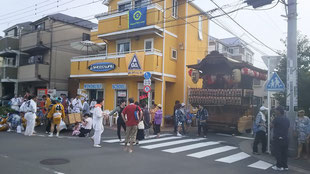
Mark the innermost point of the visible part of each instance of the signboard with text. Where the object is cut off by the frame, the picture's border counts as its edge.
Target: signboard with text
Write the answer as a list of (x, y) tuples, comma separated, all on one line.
[(102, 67), (137, 18)]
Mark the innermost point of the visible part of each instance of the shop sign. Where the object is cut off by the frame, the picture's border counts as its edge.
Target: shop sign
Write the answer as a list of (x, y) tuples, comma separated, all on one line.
[(92, 86), (144, 96), (121, 94), (102, 67), (119, 86), (83, 93), (137, 18)]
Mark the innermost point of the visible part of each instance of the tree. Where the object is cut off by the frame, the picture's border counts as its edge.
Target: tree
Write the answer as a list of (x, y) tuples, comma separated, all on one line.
[(303, 61)]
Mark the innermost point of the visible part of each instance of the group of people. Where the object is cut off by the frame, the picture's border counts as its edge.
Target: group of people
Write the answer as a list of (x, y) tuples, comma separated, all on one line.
[(183, 117), (280, 125)]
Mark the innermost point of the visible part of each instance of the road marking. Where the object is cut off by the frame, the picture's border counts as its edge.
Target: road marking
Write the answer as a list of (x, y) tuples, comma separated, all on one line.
[(241, 137), (260, 165), (158, 140), (212, 151), (154, 146), (190, 147), (152, 136), (234, 158)]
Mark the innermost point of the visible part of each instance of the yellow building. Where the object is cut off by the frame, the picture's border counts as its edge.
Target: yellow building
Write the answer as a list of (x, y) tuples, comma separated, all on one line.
[(156, 36)]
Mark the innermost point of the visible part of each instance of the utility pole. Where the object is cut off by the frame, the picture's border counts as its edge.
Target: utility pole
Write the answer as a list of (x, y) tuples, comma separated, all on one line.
[(292, 75)]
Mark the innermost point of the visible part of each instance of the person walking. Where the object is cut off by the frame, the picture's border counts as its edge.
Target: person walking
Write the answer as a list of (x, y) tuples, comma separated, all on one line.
[(158, 119), (120, 122), (260, 129), (97, 122), (280, 126), (176, 106), (56, 114), (30, 116), (146, 121), (202, 116), (129, 114), (140, 131), (301, 129), (48, 102)]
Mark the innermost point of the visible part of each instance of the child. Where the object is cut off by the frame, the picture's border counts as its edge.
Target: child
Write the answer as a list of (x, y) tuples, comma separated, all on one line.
[(76, 129)]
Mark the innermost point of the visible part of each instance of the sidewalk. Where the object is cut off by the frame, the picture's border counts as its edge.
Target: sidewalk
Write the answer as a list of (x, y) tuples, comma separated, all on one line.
[(301, 165)]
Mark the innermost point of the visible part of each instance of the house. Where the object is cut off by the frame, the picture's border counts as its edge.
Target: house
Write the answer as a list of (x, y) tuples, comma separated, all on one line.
[(47, 52), (10, 53), (159, 37), (233, 47)]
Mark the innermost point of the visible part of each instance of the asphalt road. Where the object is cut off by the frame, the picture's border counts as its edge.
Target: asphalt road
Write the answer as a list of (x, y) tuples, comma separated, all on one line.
[(167, 155)]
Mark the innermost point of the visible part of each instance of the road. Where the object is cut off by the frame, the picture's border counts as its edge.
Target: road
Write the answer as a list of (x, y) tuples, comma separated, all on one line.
[(168, 154)]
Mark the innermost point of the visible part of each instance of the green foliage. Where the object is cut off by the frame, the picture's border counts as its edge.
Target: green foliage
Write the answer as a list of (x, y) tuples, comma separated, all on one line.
[(303, 60), (4, 110)]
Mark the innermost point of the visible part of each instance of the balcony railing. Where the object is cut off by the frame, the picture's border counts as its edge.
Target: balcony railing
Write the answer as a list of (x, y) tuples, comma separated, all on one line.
[(120, 13), (115, 55)]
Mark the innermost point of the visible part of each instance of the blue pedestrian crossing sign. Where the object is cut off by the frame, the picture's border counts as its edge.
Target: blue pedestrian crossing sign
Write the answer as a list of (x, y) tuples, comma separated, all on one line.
[(147, 75), (275, 83)]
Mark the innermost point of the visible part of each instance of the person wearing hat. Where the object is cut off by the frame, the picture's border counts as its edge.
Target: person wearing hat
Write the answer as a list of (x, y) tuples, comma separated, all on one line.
[(260, 130), (301, 129), (180, 116), (56, 114), (158, 119), (280, 127)]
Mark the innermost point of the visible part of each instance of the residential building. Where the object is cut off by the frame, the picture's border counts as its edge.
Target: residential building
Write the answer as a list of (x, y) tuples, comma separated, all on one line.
[(144, 36), (48, 52), (10, 53), (233, 48)]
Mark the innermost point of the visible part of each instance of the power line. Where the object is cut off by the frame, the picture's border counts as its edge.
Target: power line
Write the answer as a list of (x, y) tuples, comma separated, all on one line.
[(244, 28), (26, 8)]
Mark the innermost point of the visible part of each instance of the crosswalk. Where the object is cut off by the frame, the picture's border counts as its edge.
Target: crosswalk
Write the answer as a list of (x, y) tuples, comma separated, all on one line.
[(199, 148)]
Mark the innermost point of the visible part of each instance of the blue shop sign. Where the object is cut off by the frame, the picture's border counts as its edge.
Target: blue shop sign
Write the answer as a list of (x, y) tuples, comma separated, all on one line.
[(137, 18), (119, 86), (102, 67), (92, 86)]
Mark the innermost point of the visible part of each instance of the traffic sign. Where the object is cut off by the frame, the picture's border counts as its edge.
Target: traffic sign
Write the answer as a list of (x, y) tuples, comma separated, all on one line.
[(147, 82), (275, 83), (147, 75), (147, 89)]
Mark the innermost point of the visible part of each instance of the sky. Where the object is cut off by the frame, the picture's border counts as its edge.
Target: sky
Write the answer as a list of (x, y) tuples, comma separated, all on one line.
[(268, 25)]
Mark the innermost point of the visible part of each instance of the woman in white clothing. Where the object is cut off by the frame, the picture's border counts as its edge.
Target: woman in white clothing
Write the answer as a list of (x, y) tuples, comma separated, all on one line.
[(97, 122), (30, 116)]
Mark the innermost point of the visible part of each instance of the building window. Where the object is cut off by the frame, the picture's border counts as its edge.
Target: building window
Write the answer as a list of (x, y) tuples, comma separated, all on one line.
[(174, 54), (9, 62), (175, 8), (141, 3), (11, 33), (123, 46), (231, 51), (200, 36), (148, 45), (85, 36), (124, 6), (35, 59), (40, 26)]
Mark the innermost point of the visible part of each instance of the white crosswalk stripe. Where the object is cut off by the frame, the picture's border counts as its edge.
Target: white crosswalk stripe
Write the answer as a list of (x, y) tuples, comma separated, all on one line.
[(171, 143), (203, 149), (191, 147), (260, 165), (234, 158), (210, 152)]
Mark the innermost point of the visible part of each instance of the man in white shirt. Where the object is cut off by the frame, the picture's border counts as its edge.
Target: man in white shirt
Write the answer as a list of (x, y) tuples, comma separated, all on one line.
[(15, 103), (97, 122), (77, 105), (86, 125), (30, 116)]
